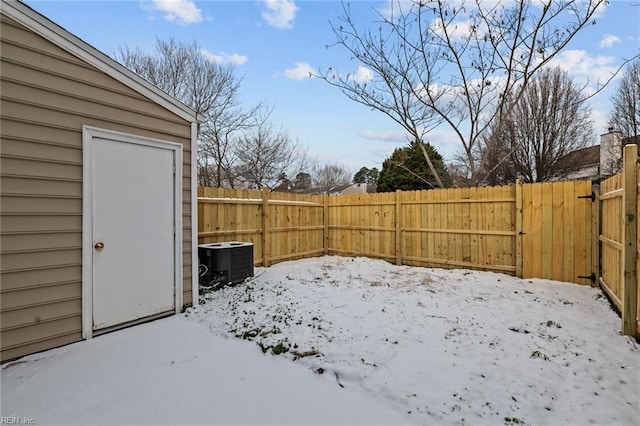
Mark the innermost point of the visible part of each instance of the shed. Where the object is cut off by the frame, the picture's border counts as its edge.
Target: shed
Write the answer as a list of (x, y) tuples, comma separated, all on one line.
[(97, 192)]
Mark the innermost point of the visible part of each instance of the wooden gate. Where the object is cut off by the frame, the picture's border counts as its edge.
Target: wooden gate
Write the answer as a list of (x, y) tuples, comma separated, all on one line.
[(620, 238), (560, 231), (611, 238)]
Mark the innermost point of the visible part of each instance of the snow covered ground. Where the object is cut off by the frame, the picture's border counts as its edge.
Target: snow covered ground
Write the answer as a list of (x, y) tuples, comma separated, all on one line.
[(444, 346), (175, 372), (349, 341)]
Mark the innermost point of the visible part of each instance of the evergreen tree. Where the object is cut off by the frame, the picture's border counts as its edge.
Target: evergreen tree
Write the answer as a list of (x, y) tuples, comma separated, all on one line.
[(366, 175), (407, 170)]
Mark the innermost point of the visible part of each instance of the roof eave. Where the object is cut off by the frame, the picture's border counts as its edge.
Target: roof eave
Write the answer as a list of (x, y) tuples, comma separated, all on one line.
[(51, 31)]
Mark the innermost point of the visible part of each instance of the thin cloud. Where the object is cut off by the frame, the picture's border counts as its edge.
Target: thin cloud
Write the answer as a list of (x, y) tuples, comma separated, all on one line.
[(362, 75), (182, 11), (609, 40), (224, 58), (443, 139), (386, 136), (280, 13), (600, 10), (600, 117), (301, 71), (587, 70)]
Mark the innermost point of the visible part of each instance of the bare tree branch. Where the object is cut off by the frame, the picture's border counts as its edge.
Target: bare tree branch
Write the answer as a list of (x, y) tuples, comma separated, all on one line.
[(266, 154), (435, 63)]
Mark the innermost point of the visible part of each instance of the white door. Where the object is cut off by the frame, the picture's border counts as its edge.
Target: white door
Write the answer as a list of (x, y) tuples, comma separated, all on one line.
[(133, 219)]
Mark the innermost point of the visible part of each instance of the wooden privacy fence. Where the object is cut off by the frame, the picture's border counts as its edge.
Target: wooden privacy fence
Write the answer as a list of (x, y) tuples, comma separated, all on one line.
[(540, 230), (462, 227), (619, 241), (522, 229), (281, 226)]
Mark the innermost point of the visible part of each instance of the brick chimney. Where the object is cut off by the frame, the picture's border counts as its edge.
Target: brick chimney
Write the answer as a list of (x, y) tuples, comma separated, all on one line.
[(610, 152)]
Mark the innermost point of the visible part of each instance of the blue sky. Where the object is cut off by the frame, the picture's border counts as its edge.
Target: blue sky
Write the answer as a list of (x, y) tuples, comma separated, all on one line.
[(275, 43)]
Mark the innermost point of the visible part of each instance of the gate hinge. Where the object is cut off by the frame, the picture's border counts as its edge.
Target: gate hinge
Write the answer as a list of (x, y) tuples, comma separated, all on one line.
[(591, 277), (592, 196)]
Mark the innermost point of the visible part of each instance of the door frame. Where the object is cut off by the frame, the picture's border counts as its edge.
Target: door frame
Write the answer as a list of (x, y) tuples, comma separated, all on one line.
[(89, 133)]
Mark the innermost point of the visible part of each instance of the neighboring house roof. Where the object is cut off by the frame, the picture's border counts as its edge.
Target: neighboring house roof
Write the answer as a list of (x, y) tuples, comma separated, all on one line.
[(585, 162), (340, 188), (356, 188), (349, 188), (579, 159), (51, 31), (631, 140), (318, 191)]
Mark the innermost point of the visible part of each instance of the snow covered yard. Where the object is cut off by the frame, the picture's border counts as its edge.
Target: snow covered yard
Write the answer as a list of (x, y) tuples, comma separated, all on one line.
[(443, 346), (173, 371), (360, 341)]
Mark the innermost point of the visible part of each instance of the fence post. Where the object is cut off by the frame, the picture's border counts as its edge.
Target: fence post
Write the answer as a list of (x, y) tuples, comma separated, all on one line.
[(518, 229), (629, 241), (595, 237), (265, 227), (398, 220), (200, 218), (325, 223)]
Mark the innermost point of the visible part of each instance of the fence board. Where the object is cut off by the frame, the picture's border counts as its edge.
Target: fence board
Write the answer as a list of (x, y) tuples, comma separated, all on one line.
[(465, 194), (568, 228), (535, 231), (547, 230), (558, 222)]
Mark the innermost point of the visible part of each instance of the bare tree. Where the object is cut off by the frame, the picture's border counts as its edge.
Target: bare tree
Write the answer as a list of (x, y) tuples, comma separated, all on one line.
[(624, 120), (266, 154), (217, 143), (435, 63), (183, 72), (550, 120), (209, 88), (330, 175), (625, 114)]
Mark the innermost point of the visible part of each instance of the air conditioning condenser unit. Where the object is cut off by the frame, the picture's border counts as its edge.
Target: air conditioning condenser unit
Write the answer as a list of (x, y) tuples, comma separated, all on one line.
[(225, 263)]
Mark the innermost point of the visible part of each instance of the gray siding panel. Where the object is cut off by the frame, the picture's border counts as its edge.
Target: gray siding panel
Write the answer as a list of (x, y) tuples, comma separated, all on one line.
[(46, 96), (34, 314), (39, 280), (37, 345), (14, 338), (32, 224)]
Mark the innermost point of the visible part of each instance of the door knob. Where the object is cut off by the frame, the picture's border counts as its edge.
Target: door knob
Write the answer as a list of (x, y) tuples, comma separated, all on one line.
[(99, 246)]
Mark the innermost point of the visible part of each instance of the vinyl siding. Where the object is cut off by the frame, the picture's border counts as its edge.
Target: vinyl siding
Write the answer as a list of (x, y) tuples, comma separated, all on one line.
[(46, 96)]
